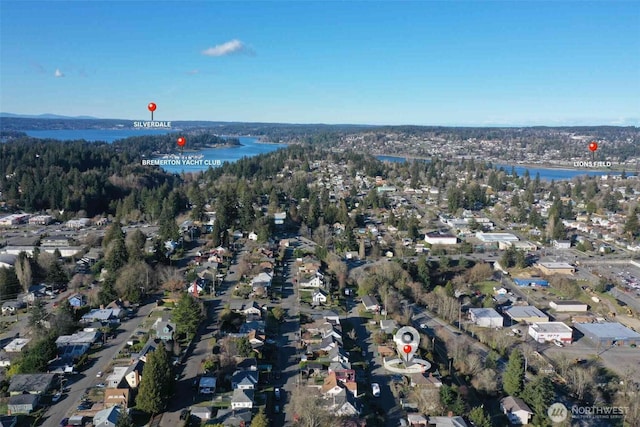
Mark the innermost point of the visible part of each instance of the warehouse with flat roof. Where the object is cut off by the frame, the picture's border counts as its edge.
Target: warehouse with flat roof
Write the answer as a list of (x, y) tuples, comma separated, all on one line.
[(565, 305), (526, 314), (496, 237), (550, 268), (609, 333), (551, 331)]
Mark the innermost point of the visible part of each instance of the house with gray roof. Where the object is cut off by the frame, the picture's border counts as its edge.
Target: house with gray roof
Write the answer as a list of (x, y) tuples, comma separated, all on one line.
[(201, 412), (516, 410), (22, 403), (344, 404), (370, 303), (234, 417), (242, 398), (107, 417), (30, 383), (104, 316), (244, 380)]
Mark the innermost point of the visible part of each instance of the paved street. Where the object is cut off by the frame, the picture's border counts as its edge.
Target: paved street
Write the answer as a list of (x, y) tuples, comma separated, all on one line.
[(102, 358), (288, 360), (386, 403), (184, 394)]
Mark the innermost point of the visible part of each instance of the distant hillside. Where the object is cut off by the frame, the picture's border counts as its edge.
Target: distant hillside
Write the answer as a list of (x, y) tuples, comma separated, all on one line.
[(46, 116)]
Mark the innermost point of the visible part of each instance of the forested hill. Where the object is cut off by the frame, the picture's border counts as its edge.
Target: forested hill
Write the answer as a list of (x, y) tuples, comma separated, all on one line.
[(147, 145), (77, 175)]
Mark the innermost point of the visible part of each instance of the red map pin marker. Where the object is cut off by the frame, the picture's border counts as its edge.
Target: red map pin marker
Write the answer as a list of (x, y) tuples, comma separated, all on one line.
[(407, 349), (593, 146), (151, 107), (181, 141)]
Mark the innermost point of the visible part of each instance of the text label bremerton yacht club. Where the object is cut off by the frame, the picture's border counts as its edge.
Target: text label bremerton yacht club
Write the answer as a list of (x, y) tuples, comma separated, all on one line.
[(181, 162)]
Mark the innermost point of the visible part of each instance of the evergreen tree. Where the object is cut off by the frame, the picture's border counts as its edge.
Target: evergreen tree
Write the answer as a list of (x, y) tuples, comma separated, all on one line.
[(196, 198), (107, 292), (631, 227), (168, 226), (135, 242), (23, 270), (124, 420), (56, 274), (413, 230), (479, 417), (155, 386), (116, 256), (187, 314), (113, 232), (513, 380), (539, 394), (9, 284), (261, 419), (37, 314), (37, 356)]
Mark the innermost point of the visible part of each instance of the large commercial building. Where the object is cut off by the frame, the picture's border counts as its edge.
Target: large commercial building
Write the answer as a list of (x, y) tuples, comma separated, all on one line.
[(574, 306), (551, 331), (41, 220), (14, 219), (609, 333), (436, 238), (496, 237), (550, 268), (526, 314), (486, 317)]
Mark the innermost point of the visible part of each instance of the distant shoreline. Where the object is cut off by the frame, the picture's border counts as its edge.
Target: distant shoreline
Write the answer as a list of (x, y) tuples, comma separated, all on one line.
[(614, 167)]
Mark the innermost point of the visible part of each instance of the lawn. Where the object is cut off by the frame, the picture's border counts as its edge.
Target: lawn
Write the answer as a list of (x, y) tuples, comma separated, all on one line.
[(487, 286)]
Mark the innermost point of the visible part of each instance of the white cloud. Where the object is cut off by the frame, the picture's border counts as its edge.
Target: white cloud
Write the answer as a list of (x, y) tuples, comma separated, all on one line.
[(58, 73), (227, 48)]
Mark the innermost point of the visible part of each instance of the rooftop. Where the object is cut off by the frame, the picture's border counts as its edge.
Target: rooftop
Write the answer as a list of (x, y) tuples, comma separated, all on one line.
[(612, 330), (524, 311), (485, 312), (555, 265), (32, 383), (551, 327)]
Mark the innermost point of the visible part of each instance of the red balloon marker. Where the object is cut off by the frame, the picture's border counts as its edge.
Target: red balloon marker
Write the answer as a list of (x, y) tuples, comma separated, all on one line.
[(181, 141), (593, 146), (407, 349), (151, 107)]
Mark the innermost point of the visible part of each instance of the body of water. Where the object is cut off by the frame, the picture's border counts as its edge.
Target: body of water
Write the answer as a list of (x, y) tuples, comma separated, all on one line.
[(546, 174), (250, 147), (94, 135), (210, 156)]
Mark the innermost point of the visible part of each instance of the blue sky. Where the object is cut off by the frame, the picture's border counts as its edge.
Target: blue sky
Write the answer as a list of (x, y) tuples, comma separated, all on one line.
[(419, 62)]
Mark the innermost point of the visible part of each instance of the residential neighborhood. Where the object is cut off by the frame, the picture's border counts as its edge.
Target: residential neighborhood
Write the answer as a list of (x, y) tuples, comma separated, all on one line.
[(282, 308)]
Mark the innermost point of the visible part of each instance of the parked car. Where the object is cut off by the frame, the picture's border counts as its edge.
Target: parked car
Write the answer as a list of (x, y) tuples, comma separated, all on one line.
[(56, 397), (99, 374), (276, 392), (184, 414), (64, 421), (375, 389)]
